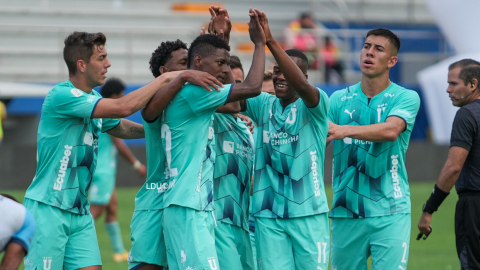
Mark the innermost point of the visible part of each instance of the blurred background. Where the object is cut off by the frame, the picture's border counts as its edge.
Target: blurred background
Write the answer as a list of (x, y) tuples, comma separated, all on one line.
[(331, 32)]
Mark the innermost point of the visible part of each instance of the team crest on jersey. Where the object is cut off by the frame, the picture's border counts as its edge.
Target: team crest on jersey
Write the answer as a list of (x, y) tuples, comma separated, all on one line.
[(47, 263), (292, 116), (213, 263), (76, 93)]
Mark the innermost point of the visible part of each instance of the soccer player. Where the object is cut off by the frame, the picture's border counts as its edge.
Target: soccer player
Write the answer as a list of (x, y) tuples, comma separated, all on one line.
[(461, 168), (371, 123), (102, 194), (267, 85), (73, 115), (185, 175), (289, 202), (17, 228)]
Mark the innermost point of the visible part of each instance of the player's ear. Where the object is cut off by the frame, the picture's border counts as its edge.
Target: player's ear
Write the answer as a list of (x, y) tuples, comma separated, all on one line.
[(163, 69), (81, 65), (198, 60), (393, 61)]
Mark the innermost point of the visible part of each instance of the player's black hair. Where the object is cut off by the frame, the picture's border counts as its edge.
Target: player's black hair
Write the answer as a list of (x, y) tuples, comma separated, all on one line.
[(163, 54), (80, 45), (204, 45), (9, 196), (111, 87), (235, 62), (297, 53), (382, 32)]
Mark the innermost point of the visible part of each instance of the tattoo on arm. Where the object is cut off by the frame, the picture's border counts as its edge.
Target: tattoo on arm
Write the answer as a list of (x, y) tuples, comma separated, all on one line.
[(135, 130)]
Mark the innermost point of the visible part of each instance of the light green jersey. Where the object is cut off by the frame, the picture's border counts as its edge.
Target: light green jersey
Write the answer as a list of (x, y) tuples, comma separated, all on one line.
[(187, 137), (150, 195), (370, 178), (235, 151), (107, 155), (290, 150), (67, 146)]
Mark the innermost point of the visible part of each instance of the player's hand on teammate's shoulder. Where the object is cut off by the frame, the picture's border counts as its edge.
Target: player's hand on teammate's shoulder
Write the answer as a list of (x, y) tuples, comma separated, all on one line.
[(248, 122), (257, 35), (262, 18), (202, 79)]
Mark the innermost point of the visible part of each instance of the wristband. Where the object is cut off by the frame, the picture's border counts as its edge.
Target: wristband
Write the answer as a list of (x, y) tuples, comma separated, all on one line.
[(435, 200), (137, 164)]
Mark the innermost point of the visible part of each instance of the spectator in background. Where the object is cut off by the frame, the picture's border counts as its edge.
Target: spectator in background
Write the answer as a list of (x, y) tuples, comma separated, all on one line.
[(331, 57), (267, 85), (3, 117)]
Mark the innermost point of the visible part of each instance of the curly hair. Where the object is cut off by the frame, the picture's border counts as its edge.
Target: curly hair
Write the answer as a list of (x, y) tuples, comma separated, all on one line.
[(163, 54), (204, 45), (80, 45)]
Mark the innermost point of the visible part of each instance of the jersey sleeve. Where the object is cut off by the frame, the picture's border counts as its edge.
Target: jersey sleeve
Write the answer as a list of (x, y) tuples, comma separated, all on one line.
[(202, 101), (25, 235), (109, 123), (332, 112), (253, 106), (464, 129), (74, 102), (406, 107), (321, 110)]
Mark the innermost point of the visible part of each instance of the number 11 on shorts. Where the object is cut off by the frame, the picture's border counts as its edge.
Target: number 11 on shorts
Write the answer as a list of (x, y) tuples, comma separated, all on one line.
[(322, 254)]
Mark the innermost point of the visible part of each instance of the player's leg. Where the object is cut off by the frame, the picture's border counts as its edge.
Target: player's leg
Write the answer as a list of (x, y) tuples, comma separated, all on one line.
[(51, 235), (274, 247), (467, 231), (100, 193), (190, 238), (96, 210), (310, 240), (390, 241), (81, 250), (148, 243), (244, 247), (350, 243), (226, 246), (113, 229)]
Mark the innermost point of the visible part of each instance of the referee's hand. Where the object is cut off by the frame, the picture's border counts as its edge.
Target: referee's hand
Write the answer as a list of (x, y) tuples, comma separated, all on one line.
[(424, 223)]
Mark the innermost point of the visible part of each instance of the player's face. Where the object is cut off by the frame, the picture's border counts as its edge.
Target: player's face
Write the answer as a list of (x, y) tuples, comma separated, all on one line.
[(96, 69), (376, 56), (216, 64), (178, 60), (267, 87), (457, 90), (280, 84), (238, 75)]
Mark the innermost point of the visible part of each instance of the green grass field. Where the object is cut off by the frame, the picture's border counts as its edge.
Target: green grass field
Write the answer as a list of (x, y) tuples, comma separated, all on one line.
[(437, 253)]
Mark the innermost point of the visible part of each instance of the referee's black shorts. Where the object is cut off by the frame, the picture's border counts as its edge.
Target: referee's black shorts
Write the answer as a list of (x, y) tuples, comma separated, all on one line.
[(467, 230)]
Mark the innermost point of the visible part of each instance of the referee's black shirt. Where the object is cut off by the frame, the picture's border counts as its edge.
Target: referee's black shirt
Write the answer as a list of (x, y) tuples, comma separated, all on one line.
[(465, 134)]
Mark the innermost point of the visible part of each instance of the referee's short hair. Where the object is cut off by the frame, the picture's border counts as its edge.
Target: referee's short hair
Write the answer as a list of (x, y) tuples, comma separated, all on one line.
[(470, 69)]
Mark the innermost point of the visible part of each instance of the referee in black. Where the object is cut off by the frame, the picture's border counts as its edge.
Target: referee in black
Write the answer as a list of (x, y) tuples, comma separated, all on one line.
[(462, 167)]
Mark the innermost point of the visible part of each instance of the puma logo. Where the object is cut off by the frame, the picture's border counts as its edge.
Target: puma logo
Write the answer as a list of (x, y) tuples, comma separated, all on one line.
[(350, 113)]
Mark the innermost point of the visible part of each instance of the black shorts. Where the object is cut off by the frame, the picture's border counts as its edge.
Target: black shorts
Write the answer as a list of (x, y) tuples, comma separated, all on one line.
[(467, 231)]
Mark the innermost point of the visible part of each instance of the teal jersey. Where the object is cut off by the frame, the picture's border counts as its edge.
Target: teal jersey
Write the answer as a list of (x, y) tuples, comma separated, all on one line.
[(370, 178), (67, 146), (150, 195), (233, 173), (289, 155), (187, 140), (107, 155)]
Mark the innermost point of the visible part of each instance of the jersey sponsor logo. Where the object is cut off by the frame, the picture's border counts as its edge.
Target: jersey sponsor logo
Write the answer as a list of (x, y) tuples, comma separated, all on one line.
[(213, 263), (402, 112), (348, 112), (88, 138), (28, 262), (90, 98), (76, 93), (389, 95), (279, 138), (228, 146), (396, 182), (161, 187), (316, 185), (47, 263), (348, 140), (63, 167), (239, 149), (191, 268), (348, 97), (292, 116)]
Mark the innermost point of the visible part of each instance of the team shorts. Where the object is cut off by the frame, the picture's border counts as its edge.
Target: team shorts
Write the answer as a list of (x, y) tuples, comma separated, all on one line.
[(190, 238), (102, 188), (467, 230), (386, 239), (233, 247), (148, 242), (293, 243), (62, 240)]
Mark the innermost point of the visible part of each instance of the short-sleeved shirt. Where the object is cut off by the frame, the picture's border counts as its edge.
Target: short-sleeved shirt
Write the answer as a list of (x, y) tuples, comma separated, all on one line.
[(187, 138), (107, 155), (16, 225), (233, 173), (370, 178), (289, 157), (67, 146), (150, 195), (465, 134)]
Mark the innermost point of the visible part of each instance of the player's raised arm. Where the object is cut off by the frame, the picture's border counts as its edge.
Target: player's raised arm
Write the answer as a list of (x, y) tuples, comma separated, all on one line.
[(127, 129), (295, 75), (252, 86)]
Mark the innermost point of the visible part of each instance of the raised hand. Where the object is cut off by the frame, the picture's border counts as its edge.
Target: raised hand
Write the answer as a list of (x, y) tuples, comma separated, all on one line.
[(257, 34), (262, 18), (202, 79), (220, 23)]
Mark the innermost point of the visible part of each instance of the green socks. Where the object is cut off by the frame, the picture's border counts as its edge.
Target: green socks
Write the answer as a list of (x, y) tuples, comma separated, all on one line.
[(115, 235)]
